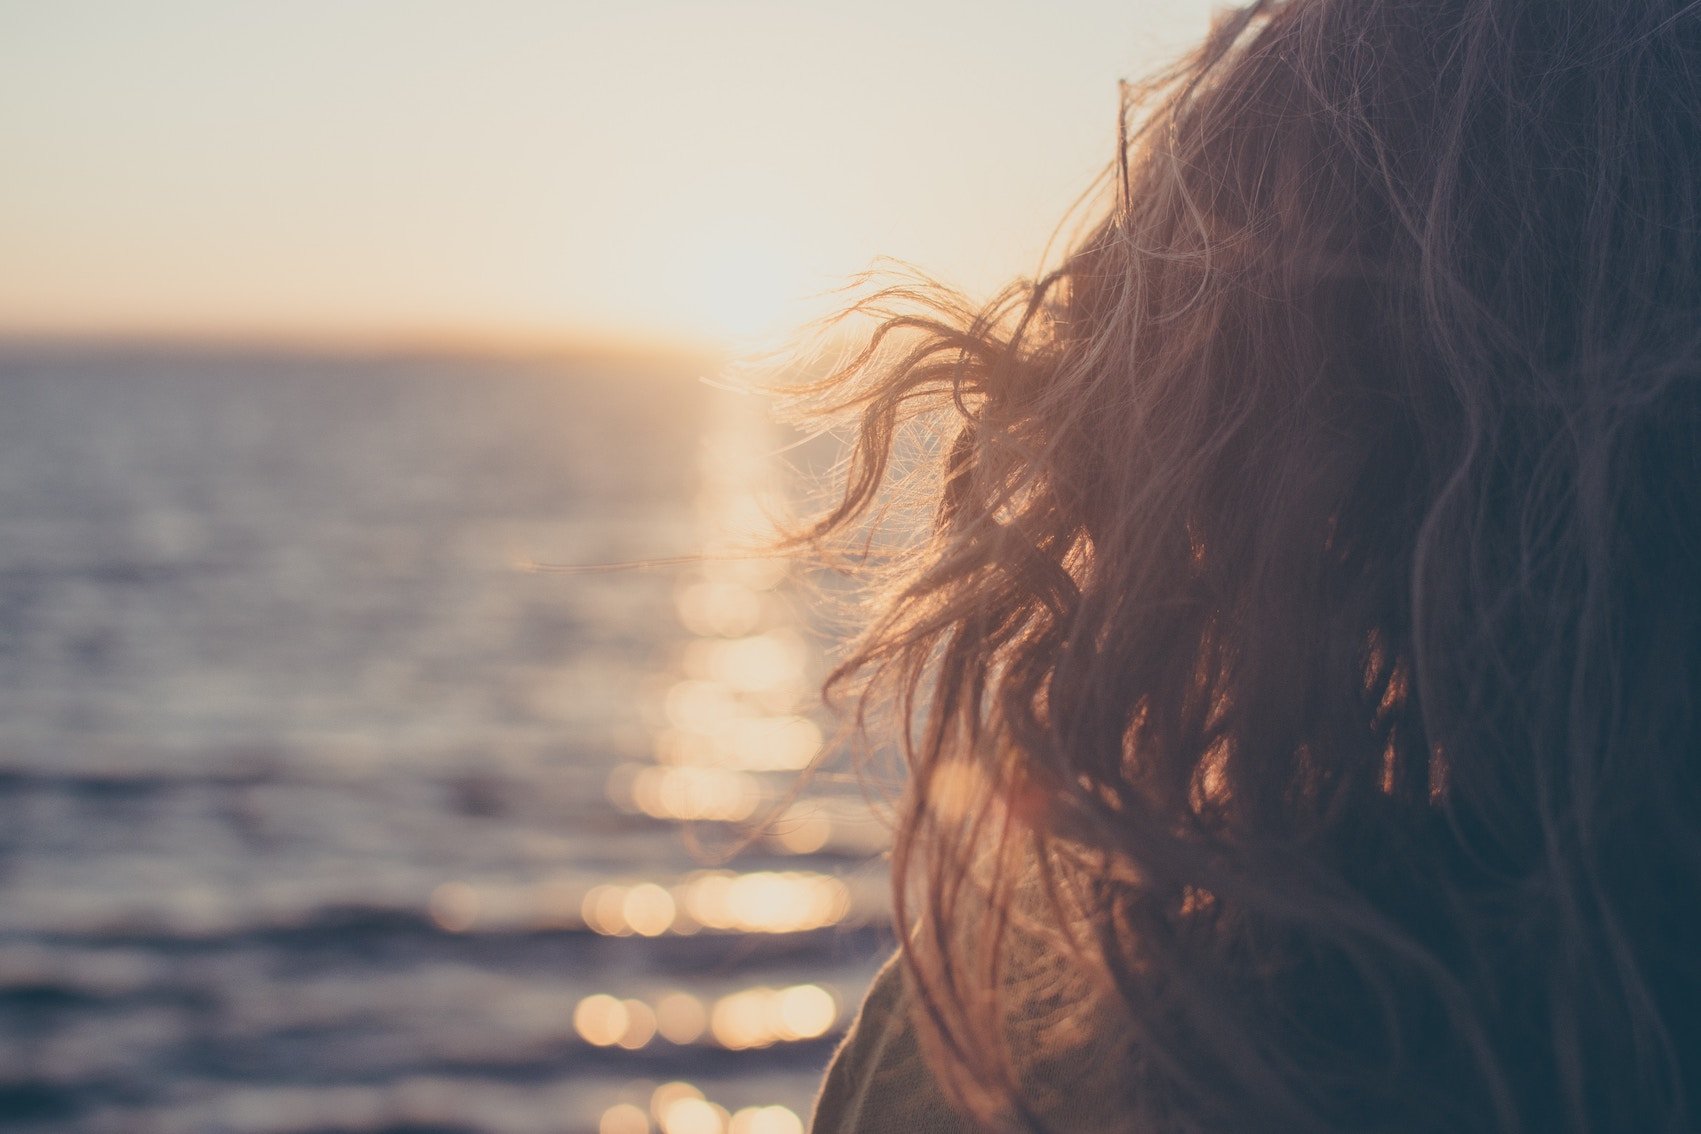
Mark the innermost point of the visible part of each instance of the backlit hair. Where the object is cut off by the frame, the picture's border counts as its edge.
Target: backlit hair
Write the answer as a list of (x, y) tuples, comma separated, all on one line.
[(1298, 676)]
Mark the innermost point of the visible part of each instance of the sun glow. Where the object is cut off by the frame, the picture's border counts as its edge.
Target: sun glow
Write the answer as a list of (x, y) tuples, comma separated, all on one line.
[(620, 171), (745, 279)]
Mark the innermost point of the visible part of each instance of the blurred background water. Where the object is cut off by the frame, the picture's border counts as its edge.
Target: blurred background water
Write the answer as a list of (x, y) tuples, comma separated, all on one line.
[(322, 810)]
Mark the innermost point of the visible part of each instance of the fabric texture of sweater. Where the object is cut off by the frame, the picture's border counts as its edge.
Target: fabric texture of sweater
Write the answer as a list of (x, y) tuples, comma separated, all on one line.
[(878, 1082)]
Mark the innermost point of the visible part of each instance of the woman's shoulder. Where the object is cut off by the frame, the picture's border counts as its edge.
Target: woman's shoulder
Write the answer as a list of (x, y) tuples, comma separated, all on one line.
[(878, 1082)]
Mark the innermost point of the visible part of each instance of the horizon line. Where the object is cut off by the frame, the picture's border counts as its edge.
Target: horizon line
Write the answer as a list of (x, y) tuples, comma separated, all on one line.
[(512, 345)]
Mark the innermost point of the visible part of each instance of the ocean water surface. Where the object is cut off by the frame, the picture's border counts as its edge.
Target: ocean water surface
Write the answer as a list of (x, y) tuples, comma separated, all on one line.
[(323, 809)]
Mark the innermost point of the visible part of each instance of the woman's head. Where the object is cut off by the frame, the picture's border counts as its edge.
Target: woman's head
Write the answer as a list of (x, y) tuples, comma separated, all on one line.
[(1308, 635)]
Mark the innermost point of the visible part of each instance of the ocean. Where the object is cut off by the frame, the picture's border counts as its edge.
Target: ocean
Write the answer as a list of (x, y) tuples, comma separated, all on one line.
[(326, 804)]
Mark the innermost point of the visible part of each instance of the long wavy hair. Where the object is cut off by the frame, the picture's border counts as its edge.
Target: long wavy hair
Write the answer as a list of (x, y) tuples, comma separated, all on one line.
[(1298, 674)]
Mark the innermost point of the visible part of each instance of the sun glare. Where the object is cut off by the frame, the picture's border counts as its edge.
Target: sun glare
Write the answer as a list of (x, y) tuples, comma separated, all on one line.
[(746, 277)]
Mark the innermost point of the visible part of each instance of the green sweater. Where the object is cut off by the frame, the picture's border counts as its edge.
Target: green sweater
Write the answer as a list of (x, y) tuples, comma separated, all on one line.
[(877, 1082)]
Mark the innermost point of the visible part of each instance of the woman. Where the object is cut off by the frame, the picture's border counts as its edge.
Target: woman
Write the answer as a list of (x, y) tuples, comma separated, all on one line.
[(1299, 676)]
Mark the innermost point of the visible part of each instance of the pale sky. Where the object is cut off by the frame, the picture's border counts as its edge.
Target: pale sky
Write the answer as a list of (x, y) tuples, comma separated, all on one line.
[(396, 169)]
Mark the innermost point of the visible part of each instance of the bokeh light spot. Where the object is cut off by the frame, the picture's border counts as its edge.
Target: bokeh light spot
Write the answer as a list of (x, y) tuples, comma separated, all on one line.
[(801, 832), (604, 910), (693, 1116), (681, 1017), (640, 1025), (667, 1094), (648, 909), (719, 609), (624, 1118), (765, 1120), (454, 907), (744, 1020), (601, 1020), (806, 1011)]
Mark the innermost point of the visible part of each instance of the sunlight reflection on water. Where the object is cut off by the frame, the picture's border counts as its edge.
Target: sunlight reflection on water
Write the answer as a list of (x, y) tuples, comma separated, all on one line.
[(733, 731), (320, 808), (680, 1108)]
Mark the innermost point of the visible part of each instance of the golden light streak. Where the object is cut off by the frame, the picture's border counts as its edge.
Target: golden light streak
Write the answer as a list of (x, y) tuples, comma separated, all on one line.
[(750, 1018), (686, 793), (754, 663), (765, 1120), (759, 902), (762, 1017)]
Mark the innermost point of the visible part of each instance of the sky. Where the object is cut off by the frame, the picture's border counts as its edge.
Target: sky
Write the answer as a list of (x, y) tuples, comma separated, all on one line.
[(513, 170)]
